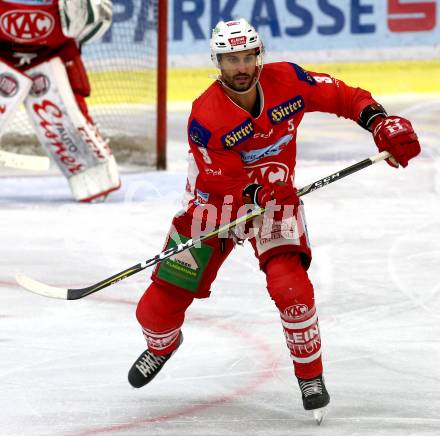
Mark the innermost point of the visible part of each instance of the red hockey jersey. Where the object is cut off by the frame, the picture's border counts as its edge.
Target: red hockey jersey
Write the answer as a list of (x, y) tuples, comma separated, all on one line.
[(229, 148), (29, 28)]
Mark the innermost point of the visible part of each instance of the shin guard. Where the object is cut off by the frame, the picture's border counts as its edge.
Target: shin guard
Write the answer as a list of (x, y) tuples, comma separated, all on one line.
[(68, 135), (161, 313), (291, 290)]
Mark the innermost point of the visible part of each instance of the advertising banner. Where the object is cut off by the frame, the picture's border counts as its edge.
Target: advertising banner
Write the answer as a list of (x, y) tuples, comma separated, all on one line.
[(360, 29)]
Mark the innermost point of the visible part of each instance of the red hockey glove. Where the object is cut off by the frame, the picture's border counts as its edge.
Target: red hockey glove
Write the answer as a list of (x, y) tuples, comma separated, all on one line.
[(280, 193), (396, 135)]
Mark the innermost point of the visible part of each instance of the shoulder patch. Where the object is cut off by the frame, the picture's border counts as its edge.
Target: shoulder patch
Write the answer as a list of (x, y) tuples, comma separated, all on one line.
[(198, 134), (303, 75)]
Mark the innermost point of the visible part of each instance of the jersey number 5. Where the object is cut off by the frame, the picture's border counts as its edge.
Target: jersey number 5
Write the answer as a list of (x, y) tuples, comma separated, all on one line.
[(291, 125)]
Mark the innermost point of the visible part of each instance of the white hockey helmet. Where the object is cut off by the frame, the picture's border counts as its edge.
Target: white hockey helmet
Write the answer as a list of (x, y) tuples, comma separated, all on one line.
[(233, 36)]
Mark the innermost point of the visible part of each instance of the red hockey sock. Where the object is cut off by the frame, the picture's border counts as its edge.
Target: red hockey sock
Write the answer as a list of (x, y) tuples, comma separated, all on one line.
[(291, 290), (161, 313)]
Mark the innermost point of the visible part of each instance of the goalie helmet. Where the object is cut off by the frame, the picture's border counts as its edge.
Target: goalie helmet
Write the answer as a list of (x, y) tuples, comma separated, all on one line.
[(233, 36)]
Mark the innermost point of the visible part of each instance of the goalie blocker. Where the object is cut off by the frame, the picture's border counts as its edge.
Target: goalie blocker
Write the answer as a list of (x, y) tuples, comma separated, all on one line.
[(68, 134)]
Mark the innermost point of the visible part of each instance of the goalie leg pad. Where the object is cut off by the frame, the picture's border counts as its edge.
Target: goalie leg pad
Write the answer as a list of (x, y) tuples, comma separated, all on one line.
[(291, 290), (14, 87), (68, 136)]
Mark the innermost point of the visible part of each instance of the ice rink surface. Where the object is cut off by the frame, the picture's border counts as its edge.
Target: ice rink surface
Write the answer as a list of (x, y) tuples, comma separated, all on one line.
[(376, 271)]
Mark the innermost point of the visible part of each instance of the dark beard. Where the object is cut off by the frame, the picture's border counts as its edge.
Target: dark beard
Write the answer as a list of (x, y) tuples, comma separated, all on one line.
[(241, 88)]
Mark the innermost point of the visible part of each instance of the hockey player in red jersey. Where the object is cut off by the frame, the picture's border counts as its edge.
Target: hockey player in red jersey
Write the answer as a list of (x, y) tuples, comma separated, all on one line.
[(242, 139), (41, 66)]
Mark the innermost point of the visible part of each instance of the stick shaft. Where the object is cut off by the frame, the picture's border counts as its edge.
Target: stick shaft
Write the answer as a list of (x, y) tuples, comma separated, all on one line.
[(257, 211), (74, 294), (343, 173)]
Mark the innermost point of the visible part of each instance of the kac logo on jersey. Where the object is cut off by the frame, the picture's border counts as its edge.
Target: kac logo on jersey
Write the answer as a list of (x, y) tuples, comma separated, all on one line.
[(272, 150), (285, 110), (268, 172), (198, 134), (26, 26), (239, 134)]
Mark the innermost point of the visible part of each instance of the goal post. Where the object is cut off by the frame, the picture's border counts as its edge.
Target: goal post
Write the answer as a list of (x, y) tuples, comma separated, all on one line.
[(162, 44)]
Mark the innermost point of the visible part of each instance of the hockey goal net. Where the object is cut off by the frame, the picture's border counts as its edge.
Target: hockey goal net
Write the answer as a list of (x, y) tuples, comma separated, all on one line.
[(127, 72)]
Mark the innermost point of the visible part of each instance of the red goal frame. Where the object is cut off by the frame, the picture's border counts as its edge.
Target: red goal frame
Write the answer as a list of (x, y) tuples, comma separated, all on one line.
[(161, 124)]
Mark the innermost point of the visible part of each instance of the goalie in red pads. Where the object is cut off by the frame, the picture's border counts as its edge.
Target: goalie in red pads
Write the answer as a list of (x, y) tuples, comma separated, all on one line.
[(41, 66), (242, 138)]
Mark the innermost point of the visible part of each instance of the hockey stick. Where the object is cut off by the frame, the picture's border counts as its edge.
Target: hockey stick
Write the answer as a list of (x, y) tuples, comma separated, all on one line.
[(75, 294), (24, 161)]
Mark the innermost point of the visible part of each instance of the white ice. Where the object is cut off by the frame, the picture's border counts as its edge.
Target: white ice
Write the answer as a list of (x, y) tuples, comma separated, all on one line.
[(376, 271)]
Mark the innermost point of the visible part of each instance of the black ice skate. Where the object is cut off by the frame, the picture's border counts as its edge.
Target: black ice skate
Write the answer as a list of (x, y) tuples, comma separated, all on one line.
[(147, 366), (315, 396)]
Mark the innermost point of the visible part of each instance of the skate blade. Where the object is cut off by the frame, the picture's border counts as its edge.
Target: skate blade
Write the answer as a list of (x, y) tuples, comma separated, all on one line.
[(319, 414)]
